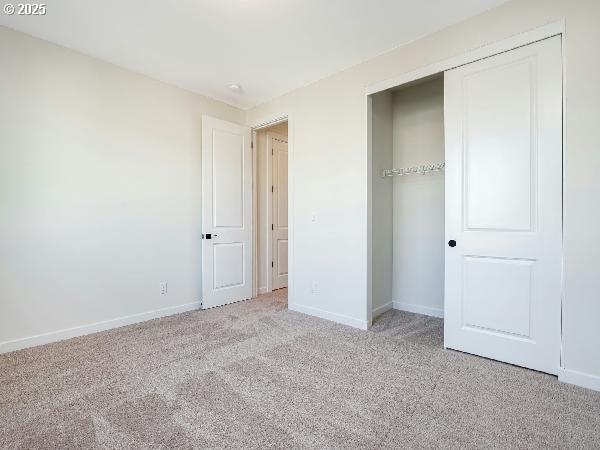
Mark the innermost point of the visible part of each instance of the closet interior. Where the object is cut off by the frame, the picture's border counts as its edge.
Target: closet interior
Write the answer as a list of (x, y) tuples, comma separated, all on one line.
[(407, 141)]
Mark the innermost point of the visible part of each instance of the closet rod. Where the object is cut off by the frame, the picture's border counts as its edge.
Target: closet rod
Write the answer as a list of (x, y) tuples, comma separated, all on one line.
[(422, 170)]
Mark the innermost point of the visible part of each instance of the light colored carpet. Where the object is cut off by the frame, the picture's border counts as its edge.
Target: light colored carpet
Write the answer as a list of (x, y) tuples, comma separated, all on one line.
[(255, 374)]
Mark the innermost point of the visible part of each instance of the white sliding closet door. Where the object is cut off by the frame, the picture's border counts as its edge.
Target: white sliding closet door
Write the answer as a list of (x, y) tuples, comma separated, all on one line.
[(226, 212), (503, 126)]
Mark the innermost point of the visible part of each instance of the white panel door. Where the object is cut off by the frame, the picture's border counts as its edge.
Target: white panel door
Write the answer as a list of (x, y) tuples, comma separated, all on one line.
[(503, 125), (279, 153), (226, 212)]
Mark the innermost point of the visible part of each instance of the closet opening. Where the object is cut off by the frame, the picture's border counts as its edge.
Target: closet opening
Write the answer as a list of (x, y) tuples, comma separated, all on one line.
[(465, 201), (408, 198)]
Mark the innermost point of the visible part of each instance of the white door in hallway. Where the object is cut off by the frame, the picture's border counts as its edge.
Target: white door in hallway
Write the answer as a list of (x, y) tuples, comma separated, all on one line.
[(279, 265), (503, 125), (226, 212)]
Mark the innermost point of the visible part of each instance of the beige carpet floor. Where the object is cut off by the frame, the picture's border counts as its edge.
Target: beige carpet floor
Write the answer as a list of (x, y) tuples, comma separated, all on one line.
[(256, 375)]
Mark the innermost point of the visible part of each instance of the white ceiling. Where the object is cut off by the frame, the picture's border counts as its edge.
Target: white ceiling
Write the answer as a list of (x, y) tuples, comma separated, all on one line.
[(268, 46)]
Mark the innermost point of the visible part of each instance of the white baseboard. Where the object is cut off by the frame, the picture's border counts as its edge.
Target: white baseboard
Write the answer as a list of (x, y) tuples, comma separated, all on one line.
[(419, 309), (67, 333), (585, 380), (383, 308), (262, 290), (334, 317)]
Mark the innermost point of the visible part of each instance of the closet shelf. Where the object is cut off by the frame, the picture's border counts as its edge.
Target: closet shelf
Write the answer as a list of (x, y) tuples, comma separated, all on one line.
[(421, 170)]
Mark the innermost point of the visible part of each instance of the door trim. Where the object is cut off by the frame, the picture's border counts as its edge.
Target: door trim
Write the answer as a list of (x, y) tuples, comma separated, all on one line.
[(255, 125), (557, 28), (504, 45)]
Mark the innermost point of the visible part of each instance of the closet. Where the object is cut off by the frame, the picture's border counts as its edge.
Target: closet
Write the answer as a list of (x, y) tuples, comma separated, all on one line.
[(408, 208), (466, 203)]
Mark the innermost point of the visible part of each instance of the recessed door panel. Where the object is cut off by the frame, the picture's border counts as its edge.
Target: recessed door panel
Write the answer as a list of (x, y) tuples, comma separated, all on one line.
[(497, 295), (282, 181), (282, 257), (503, 276), (499, 146), (228, 179), (229, 265)]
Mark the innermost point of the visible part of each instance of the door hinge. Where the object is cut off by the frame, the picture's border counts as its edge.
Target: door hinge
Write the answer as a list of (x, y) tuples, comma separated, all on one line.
[(272, 264), (272, 152), (272, 189), (272, 227), (251, 144)]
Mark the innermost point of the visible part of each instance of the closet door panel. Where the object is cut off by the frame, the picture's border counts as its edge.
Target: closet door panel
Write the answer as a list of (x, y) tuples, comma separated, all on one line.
[(498, 171), (503, 128)]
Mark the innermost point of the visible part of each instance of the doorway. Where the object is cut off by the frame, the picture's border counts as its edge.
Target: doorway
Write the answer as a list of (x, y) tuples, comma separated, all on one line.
[(245, 209), (271, 211)]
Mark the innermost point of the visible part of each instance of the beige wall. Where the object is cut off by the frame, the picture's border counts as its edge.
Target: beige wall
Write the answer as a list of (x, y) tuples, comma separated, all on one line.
[(329, 163), (100, 190)]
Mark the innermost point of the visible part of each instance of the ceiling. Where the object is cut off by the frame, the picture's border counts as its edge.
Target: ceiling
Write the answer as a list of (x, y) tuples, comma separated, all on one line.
[(269, 47)]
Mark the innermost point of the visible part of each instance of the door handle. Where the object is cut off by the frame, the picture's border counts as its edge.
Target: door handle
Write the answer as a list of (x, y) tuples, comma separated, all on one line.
[(452, 243), (209, 235)]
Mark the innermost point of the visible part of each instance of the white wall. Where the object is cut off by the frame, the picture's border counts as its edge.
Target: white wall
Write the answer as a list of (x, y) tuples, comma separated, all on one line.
[(100, 190), (263, 196), (329, 169), (418, 231), (382, 202)]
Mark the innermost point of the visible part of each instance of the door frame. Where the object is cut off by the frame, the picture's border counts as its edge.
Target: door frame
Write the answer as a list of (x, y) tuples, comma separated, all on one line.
[(557, 28), (256, 125), (270, 137)]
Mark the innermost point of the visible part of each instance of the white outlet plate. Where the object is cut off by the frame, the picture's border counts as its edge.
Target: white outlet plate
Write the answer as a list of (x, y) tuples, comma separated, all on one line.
[(163, 288), (314, 288)]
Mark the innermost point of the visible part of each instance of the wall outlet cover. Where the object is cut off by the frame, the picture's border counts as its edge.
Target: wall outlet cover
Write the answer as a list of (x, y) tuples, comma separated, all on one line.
[(314, 288)]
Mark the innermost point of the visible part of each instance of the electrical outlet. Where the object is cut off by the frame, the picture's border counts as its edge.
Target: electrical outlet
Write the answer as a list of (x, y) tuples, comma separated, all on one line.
[(314, 288), (163, 287)]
